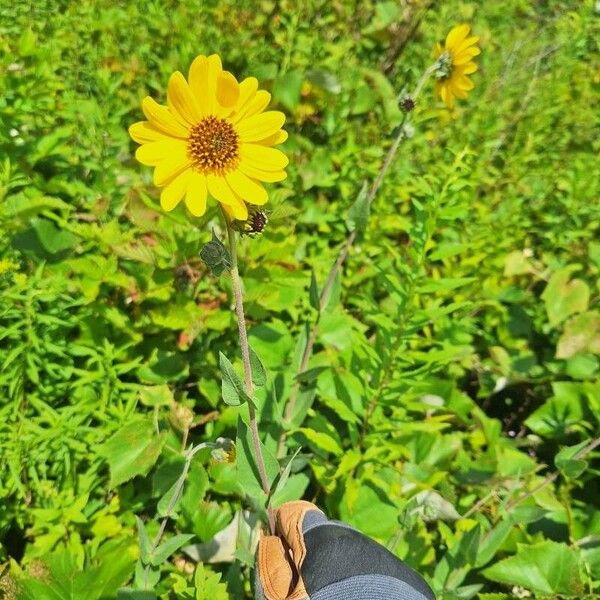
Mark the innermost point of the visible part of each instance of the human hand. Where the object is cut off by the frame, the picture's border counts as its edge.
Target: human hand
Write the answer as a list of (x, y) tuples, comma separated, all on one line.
[(313, 558)]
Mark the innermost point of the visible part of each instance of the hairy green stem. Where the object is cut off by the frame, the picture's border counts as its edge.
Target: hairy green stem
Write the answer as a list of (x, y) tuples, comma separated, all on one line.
[(245, 348)]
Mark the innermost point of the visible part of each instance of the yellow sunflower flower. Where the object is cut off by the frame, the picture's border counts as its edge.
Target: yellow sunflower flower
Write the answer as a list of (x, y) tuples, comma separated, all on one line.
[(213, 138), (454, 63)]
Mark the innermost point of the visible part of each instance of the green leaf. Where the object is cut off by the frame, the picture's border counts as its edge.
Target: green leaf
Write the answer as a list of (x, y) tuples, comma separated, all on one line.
[(523, 515), (582, 366), (335, 293), (326, 80), (52, 238), (310, 375), (568, 463), (169, 547), (492, 541), (133, 450), (386, 13), (23, 207), (210, 518), (358, 215), (564, 297), (294, 490), (208, 585), (162, 507), (259, 373), (144, 540), (321, 440), (129, 594), (468, 546), (581, 335), (313, 292), (283, 478), (287, 88), (517, 263), (232, 386), (247, 470), (546, 568), (156, 395)]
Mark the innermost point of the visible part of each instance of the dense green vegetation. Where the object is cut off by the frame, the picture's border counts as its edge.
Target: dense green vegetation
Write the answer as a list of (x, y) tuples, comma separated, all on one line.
[(453, 398)]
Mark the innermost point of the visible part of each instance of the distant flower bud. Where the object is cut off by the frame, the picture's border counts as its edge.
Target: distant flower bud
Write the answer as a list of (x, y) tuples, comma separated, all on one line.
[(407, 103), (255, 223), (181, 417)]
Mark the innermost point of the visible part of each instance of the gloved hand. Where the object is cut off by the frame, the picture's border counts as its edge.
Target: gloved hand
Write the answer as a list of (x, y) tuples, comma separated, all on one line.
[(313, 558)]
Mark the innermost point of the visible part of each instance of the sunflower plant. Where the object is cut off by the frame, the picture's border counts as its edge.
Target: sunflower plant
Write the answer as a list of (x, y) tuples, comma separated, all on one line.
[(214, 139)]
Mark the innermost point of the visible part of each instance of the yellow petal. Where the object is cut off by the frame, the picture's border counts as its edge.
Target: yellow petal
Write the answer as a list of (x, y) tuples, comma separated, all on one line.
[(268, 176), (446, 96), (258, 127), (261, 157), (465, 56), (239, 210), (247, 189), (155, 152), (162, 118), (248, 89), (438, 49), (467, 68), (198, 78), (181, 100), (219, 189), (195, 199), (254, 106), (169, 168), (144, 132), (276, 138), (457, 35), (456, 91), (215, 68), (463, 83), (202, 76), (470, 41), (228, 90), (174, 191)]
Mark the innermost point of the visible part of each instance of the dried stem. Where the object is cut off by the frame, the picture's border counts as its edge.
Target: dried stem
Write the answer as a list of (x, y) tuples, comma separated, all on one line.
[(343, 255), (239, 309)]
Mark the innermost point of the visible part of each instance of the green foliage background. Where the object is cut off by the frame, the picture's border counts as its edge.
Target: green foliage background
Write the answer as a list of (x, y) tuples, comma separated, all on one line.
[(455, 380)]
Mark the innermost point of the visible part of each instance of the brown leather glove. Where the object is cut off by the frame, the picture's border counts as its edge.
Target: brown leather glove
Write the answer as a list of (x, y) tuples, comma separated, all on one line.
[(313, 558)]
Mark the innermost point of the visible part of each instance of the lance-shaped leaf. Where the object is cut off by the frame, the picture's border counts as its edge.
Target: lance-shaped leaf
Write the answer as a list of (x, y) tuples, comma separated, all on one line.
[(232, 386), (313, 292), (259, 373), (358, 215), (169, 547), (247, 468)]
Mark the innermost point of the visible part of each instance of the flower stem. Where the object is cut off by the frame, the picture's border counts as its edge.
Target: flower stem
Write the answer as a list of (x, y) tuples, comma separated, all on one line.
[(343, 255), (189, 455), (245, 348)]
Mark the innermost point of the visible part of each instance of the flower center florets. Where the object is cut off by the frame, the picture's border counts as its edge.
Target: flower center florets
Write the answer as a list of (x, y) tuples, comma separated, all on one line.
[(213, 145)]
